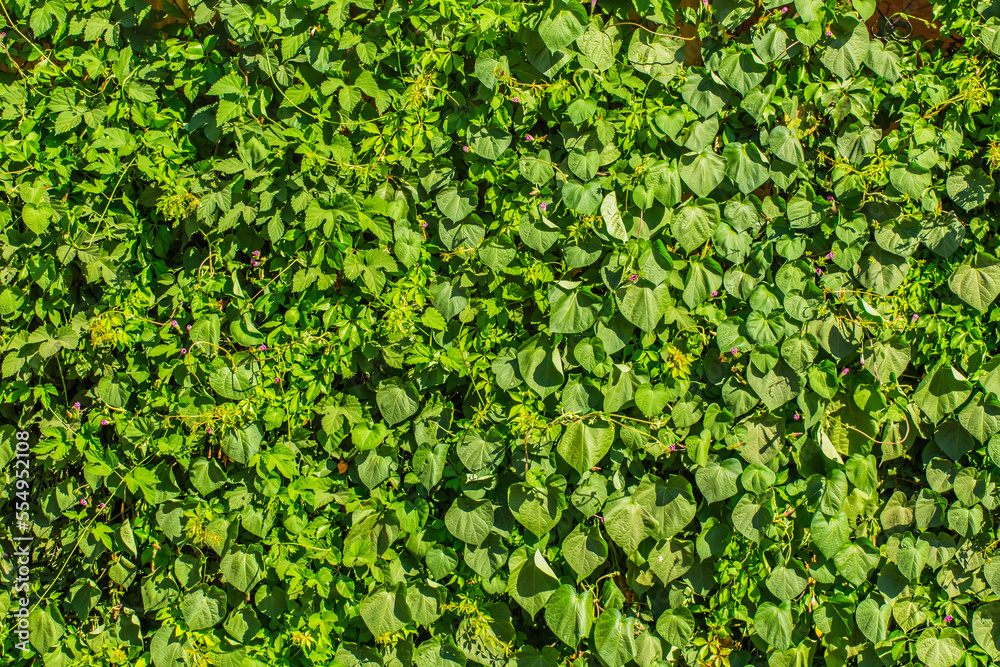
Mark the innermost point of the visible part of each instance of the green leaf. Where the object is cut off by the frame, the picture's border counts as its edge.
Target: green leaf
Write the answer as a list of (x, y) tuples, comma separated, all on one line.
[(537, 509), (242, 444), (986, 628), (856, 561), (571, 310), (241, 569), (751, 518), (695, 223), (977, 281), (847, 49), (204, 607), (489, 143), (940, 648), (746, 166), (641, 303), (397, 401), (676, 626), (705, 95), (941, 392), (742, 71), (613, 218), (968, 187), (562, 25), (584, 550), (583, 198), (656, 55), (881, 271), (44, 630), (787, 583), (532, 581), (873, 620), (784, 144), (439, 651), (600, 46), (456, 204), (385, 612), (570, 614), (584, 443), (773, 623), (717, 481), (614, 638), (541, 368), (470, 520)]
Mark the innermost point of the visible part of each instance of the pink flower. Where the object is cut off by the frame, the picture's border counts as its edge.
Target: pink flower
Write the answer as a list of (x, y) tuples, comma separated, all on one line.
[(529, 137), (915, 317), (184, 350), (101, 506), (424, 225), (76, 406), (256, 253), (465, 149), (633, 277), (734, 351), (210, 431), (830, 255), (515, 100), (819, 272), (948, 619), (784, 10), (277, 380), (104, 422), (715, 293), (829, 34), (262, 348), (601, 519), (189, 327), (83, 501), (255, 263), (845, 371), (797, 417), (673, 448), (704, 2), (173, 323), (543, 206), (829, 198)]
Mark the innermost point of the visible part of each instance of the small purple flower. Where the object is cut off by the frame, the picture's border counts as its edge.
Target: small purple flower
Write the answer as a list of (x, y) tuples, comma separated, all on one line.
[(189, 327), (601, 519), (673, 448), (543, 206), (210, 431), (529, 137), (829, 198), (829, 34), (715, 293), (784, 10), (101, 506), (174, 324), (184, 350), (734, 351), (312, 31), (633, 277), (104, 422), (76, 406), (256, 253), (915, 317), (255, 263), (277, 380), (262, 348), (819, 272), (424, 225), (465, 149), (948, 619), (845, 371), (83, 501), (797, 417), (704, 2), (515, 100), (830, 255)]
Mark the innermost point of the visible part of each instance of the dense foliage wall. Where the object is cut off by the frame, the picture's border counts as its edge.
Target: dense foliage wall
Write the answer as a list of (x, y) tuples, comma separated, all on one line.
[(502, 333)]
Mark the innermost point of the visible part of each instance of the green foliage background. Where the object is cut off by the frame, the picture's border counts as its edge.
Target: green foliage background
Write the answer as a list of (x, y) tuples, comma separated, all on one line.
[(451, 333)]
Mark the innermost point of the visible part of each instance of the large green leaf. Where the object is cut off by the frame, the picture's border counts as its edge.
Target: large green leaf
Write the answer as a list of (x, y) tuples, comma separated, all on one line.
[(695, 223), (584, 443), (562, 25), (846, 50), (470, 520), (941, 392), (968, 187), (396, 401), (705, 95), (940, 648), (773, 623), (702, 172), (584, 550), (532, 581), (614, 637), (571, 310), (570, 614), (537, 509), (977, 281), (385, 611), (717, 481)]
